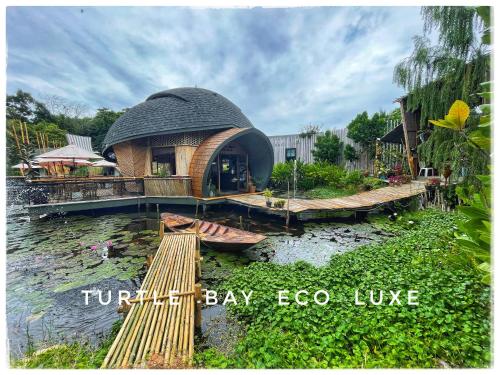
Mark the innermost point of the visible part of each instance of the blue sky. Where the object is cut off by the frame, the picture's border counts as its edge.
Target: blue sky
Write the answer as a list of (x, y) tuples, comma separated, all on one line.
[(285, 68)]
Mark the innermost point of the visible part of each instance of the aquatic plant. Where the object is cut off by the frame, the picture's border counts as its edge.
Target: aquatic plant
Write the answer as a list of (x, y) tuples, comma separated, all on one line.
[(450, 326)]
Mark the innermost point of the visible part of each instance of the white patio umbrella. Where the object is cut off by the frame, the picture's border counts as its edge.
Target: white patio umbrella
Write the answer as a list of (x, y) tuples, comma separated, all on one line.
[(70, 152), (25, 166), (62, 161), (104, 163)]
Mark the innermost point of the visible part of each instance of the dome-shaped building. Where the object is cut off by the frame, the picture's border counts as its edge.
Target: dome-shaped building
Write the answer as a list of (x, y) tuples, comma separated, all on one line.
[(190, 141)]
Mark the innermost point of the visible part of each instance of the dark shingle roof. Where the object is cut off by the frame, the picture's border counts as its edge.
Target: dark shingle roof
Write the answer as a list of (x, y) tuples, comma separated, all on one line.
[(176, 110)]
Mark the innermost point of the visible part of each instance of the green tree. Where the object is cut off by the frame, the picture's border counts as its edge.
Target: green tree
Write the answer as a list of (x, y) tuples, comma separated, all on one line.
[(395, 115), (22, 106), (54, 133), (100, 124), (350, 153), (436, 75), (327, 148), (365, 130)]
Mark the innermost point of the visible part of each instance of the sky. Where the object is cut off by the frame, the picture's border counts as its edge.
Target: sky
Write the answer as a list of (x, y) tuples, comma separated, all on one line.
[(284, 68)]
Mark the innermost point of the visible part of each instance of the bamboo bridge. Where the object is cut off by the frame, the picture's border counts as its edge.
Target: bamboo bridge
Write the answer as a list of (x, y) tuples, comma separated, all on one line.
[(158, 331)]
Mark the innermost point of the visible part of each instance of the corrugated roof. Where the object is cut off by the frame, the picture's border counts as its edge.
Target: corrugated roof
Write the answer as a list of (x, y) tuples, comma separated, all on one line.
[(80, 141), (176, 110)]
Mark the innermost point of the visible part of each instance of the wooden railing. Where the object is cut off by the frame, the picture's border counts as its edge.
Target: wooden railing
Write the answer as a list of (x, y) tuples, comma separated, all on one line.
[(55, 190), (74, 189)]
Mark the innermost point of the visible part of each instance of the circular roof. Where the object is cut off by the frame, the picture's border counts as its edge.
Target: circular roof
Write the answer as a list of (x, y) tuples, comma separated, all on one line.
[(176, 110)]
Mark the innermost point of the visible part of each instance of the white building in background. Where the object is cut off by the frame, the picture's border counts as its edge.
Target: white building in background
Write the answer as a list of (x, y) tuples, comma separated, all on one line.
[(300, 147)]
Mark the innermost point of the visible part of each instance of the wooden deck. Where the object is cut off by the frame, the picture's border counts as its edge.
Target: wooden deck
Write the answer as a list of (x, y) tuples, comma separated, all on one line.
[(162, 336), (361, 201)]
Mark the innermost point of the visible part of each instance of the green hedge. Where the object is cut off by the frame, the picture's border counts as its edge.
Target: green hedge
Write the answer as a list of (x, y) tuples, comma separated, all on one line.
[(319, 174)]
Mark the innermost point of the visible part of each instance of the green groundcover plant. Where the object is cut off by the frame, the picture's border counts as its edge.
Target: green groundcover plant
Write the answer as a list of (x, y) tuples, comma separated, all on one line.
[(449, 328)]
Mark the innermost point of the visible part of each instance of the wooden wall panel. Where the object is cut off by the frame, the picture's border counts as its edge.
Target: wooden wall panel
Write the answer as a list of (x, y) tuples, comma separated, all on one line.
[(167, 186), (201, 157), (131, 157), (183, 156)]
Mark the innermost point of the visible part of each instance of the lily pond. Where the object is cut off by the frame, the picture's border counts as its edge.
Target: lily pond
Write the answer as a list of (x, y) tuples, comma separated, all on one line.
[(51, 260)]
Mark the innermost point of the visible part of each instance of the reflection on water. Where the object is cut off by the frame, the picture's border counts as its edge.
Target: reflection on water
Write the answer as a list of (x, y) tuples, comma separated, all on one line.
[(50, 261)]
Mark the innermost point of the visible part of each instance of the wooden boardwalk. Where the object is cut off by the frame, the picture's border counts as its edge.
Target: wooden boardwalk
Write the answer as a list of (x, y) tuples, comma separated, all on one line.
[(162, 336), (357, 202)]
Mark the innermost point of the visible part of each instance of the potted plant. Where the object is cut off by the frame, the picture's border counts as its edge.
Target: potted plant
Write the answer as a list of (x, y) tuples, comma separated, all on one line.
[(268, 194), (280, 203)]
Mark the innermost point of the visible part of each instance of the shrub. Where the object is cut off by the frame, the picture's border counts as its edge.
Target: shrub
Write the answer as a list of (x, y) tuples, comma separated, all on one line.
[(353, 178), (283, 172), (279, 203), (321, 174), (370, 183)]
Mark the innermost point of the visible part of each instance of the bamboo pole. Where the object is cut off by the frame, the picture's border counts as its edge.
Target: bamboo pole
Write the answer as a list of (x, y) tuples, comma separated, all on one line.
[(164, 330), (27, 135), (167, 341), (22, 132), (162, 229), (197, 300), (113, 354), (155, 333), (16, 138), (160, 286), (37, 140)]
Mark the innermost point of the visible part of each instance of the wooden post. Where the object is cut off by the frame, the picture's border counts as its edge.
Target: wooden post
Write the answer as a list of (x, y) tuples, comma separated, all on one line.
[(241, 222), (218, 172), (197, 301), (197, 253), (248, 174), (158, 211), (238, 172), (288, 204), (196, 213), (162, 229), (149, 261)]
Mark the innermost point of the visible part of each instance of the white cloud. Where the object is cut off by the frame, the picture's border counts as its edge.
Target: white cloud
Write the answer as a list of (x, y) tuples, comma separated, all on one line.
[(283, 67)]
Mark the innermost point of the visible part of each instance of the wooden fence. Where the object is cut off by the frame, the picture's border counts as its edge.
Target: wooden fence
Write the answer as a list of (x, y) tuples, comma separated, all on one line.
[(304, 145)]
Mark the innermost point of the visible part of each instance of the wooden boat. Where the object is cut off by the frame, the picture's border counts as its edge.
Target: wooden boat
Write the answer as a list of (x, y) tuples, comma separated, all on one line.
[(216, 236)]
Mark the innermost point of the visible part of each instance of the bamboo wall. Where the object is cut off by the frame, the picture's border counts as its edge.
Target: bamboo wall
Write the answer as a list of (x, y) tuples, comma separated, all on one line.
[(183, 156), (167, 186), (132, 158)]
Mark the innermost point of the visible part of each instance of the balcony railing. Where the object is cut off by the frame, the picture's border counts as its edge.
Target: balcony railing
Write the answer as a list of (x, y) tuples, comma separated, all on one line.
[(57, 190)]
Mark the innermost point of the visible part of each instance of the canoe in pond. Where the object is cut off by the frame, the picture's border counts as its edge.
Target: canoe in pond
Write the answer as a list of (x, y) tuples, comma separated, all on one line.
[(216, 236)]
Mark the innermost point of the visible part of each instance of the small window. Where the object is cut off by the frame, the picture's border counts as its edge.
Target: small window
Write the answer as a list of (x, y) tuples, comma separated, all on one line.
[(290, 154), (163, 161)]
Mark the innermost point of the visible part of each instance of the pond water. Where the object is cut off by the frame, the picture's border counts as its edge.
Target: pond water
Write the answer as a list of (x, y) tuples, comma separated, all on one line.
[(50, 261)]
